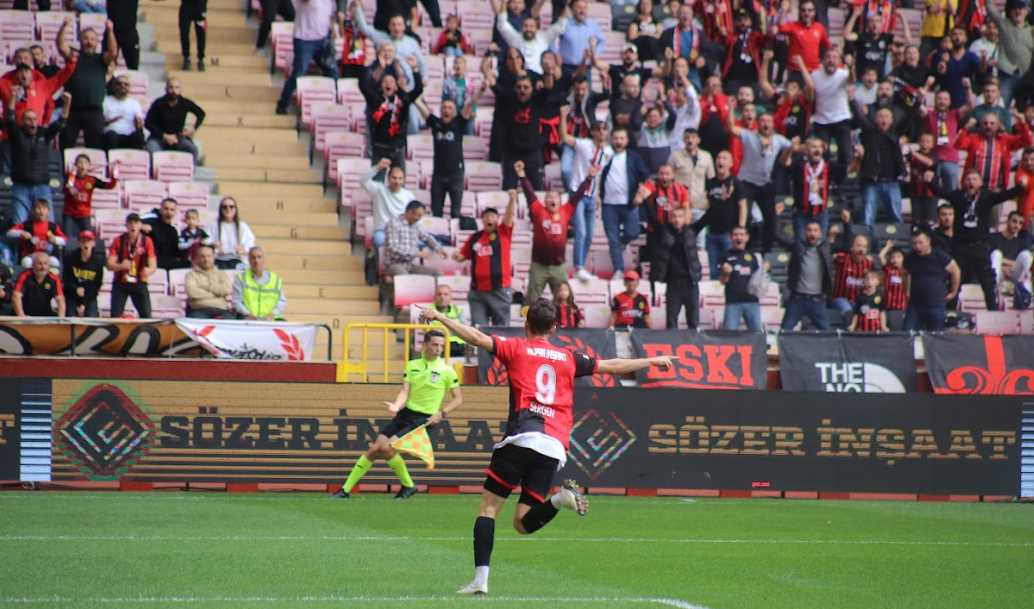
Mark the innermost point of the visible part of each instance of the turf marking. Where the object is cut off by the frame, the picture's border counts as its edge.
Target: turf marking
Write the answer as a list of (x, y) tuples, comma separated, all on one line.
[(194, 600), (457, 538)]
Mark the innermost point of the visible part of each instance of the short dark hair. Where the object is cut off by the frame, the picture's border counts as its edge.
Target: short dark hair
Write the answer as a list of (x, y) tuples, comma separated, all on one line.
[(433, 334), (579, 80), (1014, 213), (170, 200), (414, 204), (541, 317), (489, 210)]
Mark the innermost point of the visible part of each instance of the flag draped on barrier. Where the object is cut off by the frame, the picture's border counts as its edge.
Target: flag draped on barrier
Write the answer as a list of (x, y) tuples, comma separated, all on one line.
[(252, 340), (863, 363), (970, 364), (706, 360), (595, 343)]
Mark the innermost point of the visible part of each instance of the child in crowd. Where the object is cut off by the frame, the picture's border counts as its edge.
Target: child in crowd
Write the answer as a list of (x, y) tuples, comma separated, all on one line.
[(38, 234), (924, 202), (630, 309), (452, 41), (870, 313), (454, 87), (192, 235), (79, 189), (892, 259), (569, 315)]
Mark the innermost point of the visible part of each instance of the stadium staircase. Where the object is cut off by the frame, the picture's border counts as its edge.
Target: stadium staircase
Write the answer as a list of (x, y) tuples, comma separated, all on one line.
[(257, 157)]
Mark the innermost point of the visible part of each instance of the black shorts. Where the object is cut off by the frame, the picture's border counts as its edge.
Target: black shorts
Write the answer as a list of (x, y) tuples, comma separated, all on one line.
[(405, 421), (515, 465)]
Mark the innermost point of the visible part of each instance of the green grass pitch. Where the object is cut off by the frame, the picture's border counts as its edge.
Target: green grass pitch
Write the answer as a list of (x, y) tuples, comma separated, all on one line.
[(213, 550)]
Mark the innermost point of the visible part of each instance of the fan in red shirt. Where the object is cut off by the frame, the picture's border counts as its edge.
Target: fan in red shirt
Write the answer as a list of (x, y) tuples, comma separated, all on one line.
[(630, 309), (549, 222), (38, 235), (894, 290), (808, 38), (989, 151), (79, 189), (538, 430), (36, 92), (491, 270), (869, 307), (851, 267)]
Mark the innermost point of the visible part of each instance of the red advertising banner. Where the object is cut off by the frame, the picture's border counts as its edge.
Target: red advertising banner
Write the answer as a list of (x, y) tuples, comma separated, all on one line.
[(706, 360), (984, 365)]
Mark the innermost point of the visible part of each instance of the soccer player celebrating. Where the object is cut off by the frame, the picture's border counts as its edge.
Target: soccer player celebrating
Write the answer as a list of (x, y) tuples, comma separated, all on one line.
[(427, 379), (538, 430)]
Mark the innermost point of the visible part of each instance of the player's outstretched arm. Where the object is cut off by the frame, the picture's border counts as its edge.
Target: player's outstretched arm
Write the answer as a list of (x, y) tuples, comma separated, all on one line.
[(470, 335), (628, 366)]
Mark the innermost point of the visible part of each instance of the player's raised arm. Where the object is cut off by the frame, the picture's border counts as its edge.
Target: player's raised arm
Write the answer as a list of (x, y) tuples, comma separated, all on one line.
[(469, 334), (628, 366)]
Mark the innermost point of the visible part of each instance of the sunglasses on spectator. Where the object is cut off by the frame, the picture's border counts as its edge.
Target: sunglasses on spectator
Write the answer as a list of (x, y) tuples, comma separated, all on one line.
[(227, 207)]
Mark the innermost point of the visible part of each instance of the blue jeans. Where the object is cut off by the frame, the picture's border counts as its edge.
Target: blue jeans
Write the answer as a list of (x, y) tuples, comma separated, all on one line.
[(1007, 85), (566, 164), (305, 52), (24, 195), (378, 237), (621, 224), (800, 221), (874, 193), (948, 173), (930, 318), (717, 245), (801, 306), (584, 225), (747, 311), (845, 308)]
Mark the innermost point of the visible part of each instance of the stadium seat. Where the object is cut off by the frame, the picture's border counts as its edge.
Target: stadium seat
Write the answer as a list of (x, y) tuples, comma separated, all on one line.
[(48, 23), (190, 195), (594, 291), (420, 147), (459, 284), (474, 148), (178, 282), (173, 166), (98, 160), (596, 315), (311, 90), (132, 164), (327, 117), (348, 91), (144, 194), (17, 25), (281, 37), (110, 198), (410, 289), (139, 84), (999, 322), (95, 21), (339, 145)]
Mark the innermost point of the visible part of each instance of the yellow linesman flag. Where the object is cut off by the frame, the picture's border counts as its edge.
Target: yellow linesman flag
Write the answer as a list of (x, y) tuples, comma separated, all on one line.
[(418, 444)]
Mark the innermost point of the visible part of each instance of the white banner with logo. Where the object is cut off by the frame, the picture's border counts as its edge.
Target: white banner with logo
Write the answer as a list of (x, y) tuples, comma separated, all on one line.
[(252, 340)]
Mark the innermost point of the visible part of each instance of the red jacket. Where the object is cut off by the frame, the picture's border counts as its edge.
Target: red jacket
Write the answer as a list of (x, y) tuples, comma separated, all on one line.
[(40, 96), (976, 149), (79, 193)]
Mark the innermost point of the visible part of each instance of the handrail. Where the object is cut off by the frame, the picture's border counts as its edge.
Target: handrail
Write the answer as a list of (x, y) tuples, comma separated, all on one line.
[(346, 367)]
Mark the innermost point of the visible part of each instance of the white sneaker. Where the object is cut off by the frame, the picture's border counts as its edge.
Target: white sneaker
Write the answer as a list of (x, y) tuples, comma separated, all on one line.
[(474, 588), (572, 499), (583, 275)]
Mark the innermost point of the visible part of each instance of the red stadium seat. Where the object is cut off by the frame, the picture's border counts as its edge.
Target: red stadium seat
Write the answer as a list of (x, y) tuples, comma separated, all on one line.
[(312, 90), (172, 166), (411, 289)]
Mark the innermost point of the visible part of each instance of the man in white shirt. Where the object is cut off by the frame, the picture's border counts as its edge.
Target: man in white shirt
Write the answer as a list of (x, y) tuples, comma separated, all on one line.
[(590, 151), (685, 102), (123, 118), (622, 192), (530, 41), (832, 118), (389, 199)]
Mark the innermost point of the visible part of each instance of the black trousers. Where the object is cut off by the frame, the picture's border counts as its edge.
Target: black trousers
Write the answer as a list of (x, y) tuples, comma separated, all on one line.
[(765, 198), (533, 168), (137, 292), (682, 293), (193, 11), (452, 185), (73, 301), (841, 133), (88, 120), (974, 261), (134, 140), (397, 154), (23, 5), (173, 262), (129, 43), (210, 313), (270, 9)]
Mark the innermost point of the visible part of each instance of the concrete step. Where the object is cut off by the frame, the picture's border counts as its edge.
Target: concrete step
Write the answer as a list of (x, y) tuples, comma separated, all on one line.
[(331, 292), (216, 93), (169, 42), (221, 77), (287, 192), (224, 105), (265, 147), (301, 233), (264, 215), (262, 210), (299, 246), (258, 174), (261, 121), (323, 306), (166, 14), (222, 159), (308, 262), (246, 137), (346, 276), (166, 34)]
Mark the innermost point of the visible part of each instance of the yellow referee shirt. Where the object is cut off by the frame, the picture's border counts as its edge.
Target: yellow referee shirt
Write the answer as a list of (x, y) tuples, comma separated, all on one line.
[(428, 382)]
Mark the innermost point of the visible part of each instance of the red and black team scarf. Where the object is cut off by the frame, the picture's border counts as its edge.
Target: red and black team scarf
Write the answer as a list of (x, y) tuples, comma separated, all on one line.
[(394, 108)]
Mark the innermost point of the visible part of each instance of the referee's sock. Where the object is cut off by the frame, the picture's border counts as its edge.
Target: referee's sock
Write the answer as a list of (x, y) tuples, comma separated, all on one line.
[(359, 470), (398, 465), (539, 516), (484, 539)]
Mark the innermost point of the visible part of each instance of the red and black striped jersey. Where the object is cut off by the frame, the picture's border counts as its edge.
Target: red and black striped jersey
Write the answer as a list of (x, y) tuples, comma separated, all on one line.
[(850, 274), (894, 288), (867, 311)]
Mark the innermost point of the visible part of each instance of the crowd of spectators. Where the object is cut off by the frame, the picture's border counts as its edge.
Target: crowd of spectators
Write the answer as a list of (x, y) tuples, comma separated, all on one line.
[(738, 131)]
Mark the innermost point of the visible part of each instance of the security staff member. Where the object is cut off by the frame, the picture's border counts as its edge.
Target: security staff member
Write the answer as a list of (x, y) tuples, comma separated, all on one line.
[(443, 303), (258, 293), (425, 384)]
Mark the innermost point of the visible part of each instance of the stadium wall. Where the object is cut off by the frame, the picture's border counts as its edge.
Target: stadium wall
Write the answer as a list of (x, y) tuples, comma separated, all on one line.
[(250, 434)]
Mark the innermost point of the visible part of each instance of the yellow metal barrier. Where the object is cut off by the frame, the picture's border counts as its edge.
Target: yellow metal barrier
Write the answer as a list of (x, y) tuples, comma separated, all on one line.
[(348, 367)]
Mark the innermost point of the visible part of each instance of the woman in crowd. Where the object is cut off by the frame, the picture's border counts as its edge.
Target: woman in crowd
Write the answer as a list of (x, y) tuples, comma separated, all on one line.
[(233, 236)]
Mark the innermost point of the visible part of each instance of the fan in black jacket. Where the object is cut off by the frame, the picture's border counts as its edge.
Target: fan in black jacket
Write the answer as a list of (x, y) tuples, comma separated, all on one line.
[(387, 106)]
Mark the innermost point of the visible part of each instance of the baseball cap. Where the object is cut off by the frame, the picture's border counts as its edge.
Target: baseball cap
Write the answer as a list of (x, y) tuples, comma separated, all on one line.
[(87, 235), (133, 217), (631, 276)]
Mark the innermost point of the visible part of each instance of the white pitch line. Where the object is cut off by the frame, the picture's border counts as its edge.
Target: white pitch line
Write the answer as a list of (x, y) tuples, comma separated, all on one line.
[(457, 538), (193, 600)]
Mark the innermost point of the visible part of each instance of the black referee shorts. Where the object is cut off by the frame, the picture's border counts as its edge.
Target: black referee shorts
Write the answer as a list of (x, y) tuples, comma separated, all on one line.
[(515, 465), (405, 421)]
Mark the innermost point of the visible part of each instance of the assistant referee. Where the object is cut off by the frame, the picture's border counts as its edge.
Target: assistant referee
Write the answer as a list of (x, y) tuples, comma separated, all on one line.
[(427, 379)]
